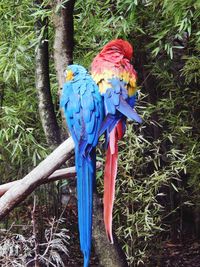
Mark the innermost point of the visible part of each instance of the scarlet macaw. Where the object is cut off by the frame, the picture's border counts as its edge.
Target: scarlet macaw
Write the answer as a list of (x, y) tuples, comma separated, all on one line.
[(83, 110), (116, 78)]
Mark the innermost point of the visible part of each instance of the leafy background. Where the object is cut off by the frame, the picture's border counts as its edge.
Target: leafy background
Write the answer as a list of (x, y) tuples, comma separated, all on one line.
[(157, 194)]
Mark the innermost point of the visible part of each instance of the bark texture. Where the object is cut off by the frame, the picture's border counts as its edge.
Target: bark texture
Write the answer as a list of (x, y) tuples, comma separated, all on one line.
[(109, 255), (64, 42), (45, 103)]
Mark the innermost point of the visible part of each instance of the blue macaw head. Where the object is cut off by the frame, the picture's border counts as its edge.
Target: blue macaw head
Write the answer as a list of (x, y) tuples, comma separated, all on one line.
[(73, 70)]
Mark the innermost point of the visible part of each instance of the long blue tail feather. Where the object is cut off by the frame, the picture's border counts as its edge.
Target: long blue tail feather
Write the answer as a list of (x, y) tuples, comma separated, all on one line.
[(85, 184)]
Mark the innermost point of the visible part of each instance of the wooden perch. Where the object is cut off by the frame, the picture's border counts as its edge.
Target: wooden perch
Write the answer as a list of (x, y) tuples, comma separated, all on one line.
[(37, 176), (64, 173), (57, 175)]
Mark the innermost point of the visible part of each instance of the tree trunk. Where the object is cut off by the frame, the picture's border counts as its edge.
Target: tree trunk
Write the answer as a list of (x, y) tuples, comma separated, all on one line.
[(63, 44), (64, 38), (109, 255), (45, 103)]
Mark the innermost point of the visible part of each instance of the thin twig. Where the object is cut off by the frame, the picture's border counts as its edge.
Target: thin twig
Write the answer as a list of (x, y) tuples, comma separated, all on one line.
[(48, 261), (49, 240), (60, 217), (36, 247)]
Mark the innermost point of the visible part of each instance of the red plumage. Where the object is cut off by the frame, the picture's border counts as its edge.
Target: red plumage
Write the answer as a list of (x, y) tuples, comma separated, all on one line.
[(118, 45), (115, 56), (113, 61), (110, 174)]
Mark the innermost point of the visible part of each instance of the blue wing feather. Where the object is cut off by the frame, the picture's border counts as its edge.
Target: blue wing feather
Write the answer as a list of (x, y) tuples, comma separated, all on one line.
[(117, 106), (87, 115), (65, 95), (91, 124), (126, 109)]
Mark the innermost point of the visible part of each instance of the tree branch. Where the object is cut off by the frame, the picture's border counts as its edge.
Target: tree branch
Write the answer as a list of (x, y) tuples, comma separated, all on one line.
[(57, 175), (61, 174), (109, 255), (25, 186)]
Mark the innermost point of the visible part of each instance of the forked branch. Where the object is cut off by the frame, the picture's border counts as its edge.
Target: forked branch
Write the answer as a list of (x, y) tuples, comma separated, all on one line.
[(37, 176)]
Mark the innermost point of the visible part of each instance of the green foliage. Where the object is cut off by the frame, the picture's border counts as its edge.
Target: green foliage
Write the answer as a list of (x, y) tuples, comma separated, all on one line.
[(18, 142), (137, 211), (22, 140), (175, 20), (17, 34), (191, 70), (101, 22)]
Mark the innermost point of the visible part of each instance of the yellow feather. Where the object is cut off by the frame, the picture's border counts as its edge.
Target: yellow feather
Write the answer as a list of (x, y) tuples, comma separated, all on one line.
[(132, 87), (96, 77), (102, 81), (69, 75), (101, 88), (132, 82)]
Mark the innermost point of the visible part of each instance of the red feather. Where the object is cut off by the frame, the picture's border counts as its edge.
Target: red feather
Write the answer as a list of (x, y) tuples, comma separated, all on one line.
[(110, 174), (119, 45), (114, 56)]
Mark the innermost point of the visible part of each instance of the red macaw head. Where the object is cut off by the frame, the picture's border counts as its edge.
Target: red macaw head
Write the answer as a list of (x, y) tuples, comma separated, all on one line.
[(121, 46)]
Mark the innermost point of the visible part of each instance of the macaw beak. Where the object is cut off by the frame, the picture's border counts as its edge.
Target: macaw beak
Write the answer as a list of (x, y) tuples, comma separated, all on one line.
[(69, 75)]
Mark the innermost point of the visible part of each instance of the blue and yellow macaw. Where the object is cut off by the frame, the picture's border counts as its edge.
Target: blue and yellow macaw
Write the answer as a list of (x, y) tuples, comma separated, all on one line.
[(83, 110)]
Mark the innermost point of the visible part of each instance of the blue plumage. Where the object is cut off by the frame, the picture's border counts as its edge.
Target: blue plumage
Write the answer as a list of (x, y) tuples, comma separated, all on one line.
[(118, 105), (83, 110)]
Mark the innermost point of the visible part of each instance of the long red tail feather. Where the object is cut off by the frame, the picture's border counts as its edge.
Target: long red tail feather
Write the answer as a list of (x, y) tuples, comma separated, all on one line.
[(110, 177)]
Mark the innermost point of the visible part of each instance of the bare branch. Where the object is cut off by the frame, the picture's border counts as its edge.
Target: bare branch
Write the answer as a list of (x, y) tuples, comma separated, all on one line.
[(61, 174), (57, 175), (25, 186)]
